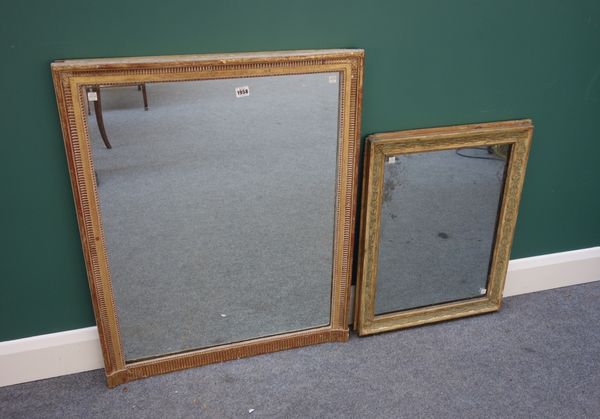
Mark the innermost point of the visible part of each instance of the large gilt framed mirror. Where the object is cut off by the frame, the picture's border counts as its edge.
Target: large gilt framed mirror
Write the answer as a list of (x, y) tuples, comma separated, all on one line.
[(215, 196), (438, 217)]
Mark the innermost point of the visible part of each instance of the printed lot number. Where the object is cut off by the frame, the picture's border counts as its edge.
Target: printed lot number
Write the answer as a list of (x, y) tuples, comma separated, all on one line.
[(242, 91)]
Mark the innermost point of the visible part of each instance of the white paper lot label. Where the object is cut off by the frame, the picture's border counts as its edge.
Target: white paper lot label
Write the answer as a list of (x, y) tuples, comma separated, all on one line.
[(242, 91)]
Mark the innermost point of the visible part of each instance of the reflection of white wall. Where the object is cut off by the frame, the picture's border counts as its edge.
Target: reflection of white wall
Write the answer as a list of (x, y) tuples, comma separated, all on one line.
[(437, 225), (215, 205)]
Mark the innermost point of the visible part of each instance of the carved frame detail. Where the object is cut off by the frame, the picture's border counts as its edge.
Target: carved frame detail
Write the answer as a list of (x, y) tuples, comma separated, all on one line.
[(71, 76), (380, 146)]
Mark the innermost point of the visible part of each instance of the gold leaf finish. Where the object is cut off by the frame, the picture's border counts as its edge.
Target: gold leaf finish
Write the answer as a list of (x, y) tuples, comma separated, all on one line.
[(71, 76), (517, 134)]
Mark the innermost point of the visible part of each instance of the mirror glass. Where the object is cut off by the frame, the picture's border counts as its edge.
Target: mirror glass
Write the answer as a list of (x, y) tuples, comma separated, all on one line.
[(438, 221), (217, 200)]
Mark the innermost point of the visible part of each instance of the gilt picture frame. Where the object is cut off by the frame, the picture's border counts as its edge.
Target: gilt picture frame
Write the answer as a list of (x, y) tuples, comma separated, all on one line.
[(382, 147), (72, 77)]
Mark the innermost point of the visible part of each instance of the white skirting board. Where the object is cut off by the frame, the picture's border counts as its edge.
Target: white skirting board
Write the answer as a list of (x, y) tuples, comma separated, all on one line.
[(555, 270), (73, 351), (51, 355)]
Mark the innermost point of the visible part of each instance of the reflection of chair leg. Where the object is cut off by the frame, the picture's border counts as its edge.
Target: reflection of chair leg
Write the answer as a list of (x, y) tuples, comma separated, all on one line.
[(89, 105), (87, 100), (99, 118), (143, 86)]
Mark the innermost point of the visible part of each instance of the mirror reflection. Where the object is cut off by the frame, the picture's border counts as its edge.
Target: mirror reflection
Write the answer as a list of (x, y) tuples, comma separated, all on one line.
[(438, 220), (217, 201)]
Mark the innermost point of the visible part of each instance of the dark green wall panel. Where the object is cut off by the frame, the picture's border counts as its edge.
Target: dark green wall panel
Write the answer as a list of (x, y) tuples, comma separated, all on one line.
[(428, 63)]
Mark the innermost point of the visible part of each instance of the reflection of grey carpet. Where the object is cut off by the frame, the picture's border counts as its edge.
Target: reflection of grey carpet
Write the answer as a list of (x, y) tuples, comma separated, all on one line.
[(218, 211), (538, 357), (437, 226)]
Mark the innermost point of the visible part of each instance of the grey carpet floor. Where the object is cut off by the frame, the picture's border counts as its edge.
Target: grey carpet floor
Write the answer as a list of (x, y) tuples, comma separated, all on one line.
[(218, 211), (539, 357)]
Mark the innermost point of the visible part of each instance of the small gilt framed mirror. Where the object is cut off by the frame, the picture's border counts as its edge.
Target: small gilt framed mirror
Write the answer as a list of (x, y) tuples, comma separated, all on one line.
[(215, 196), (438, 216)]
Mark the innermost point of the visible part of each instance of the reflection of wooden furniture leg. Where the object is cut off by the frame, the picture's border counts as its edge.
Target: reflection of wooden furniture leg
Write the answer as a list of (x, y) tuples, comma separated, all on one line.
[(99, 118), (143, 86), (88, 107), (98, 110)]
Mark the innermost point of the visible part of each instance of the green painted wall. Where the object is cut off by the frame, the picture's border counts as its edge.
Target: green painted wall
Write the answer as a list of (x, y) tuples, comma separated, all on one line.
[(428, 63)]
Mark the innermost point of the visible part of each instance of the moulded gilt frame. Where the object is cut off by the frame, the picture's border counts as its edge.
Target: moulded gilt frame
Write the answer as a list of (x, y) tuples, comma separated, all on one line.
[(71, 76), (380, 146)]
